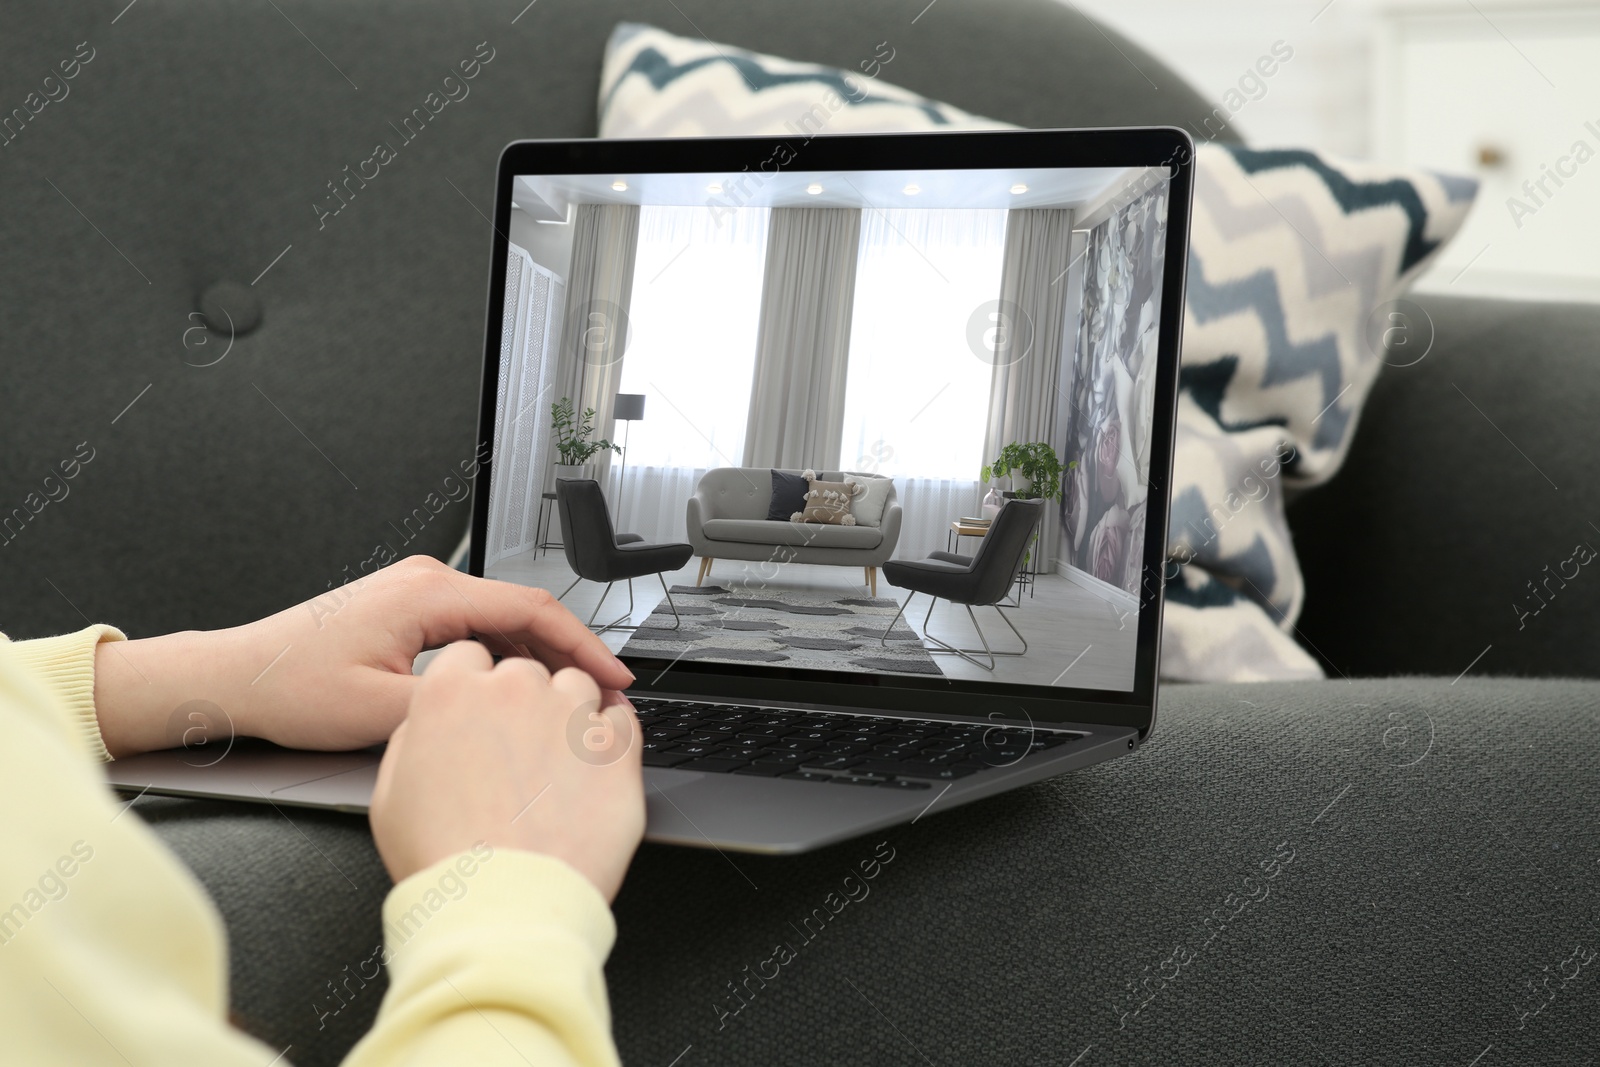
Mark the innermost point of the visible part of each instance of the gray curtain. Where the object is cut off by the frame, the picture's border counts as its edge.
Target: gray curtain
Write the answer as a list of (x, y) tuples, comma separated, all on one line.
[(605, 243), (802, 346), (1029, 353)]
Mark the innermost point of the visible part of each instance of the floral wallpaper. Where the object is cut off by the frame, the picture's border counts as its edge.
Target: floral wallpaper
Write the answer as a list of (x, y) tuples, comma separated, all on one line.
[(1112, 393)]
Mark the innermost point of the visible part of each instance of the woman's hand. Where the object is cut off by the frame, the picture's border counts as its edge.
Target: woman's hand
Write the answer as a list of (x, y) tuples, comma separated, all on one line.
[(510, 756), (335, 672)]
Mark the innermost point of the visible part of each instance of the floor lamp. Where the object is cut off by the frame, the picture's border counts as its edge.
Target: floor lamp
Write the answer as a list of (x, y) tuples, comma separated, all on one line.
[(628, 407)]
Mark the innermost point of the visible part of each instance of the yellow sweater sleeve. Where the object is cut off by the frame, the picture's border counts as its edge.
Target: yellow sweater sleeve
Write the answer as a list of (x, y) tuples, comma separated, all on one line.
[(65, 666), (495, 957), (109, 949), (111, 952)]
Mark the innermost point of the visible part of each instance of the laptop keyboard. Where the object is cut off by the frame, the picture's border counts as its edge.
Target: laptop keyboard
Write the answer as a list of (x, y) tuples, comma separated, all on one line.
[(835, 748)]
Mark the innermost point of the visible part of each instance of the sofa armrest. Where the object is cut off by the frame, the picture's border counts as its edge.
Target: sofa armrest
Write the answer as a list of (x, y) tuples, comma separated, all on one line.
[(696, 512), (891, 529), (1451, 530)]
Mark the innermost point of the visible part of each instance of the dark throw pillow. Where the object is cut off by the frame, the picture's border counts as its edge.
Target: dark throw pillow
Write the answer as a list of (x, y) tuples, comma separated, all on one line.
[(788, 496)]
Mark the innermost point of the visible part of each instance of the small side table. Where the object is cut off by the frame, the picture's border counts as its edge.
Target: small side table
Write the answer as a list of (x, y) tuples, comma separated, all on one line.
[(1027, 571), (958, 530), (541, 529)]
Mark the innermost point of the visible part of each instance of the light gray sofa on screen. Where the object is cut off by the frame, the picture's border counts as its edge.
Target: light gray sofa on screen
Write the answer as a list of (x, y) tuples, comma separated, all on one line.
[(1432, 836), (727, 519)]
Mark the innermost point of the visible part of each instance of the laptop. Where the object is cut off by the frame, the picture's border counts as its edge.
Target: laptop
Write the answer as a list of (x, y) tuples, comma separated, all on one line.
[(857, 450)]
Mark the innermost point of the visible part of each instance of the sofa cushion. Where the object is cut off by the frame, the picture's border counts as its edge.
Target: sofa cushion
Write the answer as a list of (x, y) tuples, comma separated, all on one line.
[(828, 502), (1295, 265), (869, 505), (805, 535), (1410, 567), (1422, 823), (685, 77), (788, 495), (735, 493)]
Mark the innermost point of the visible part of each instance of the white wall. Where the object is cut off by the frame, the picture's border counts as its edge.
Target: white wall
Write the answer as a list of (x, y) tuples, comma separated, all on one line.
[(1317, 99), (1502, 90), (549, 243)]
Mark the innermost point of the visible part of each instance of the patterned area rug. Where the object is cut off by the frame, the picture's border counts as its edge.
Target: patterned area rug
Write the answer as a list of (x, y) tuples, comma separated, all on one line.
[(821, 631)]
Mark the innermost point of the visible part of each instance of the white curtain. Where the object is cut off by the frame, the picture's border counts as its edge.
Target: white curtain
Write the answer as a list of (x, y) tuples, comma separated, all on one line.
[(928, 505), (595, 328), (695, 308), (916, 399), (651, 501), (804, 338)]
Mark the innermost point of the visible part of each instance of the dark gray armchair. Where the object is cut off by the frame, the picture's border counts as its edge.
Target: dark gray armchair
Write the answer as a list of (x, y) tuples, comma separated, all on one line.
[(979, 580), (596, 553)]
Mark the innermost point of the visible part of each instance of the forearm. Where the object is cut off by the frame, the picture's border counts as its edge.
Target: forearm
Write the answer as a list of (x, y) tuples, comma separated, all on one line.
[(333, 673), (162, 692)]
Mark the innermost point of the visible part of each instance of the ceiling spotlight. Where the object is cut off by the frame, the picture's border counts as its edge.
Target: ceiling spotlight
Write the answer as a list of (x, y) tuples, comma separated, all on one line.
[(620, 186), (912, 190), (813, 188), (1018, 189), (714, 187)]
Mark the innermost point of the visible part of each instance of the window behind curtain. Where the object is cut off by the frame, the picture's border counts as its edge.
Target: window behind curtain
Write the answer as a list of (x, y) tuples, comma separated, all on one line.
[(916, 398), (692, 341)]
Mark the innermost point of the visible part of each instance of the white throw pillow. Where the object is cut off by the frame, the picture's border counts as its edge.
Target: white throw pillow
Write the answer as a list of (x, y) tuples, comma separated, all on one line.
[(869, 505)]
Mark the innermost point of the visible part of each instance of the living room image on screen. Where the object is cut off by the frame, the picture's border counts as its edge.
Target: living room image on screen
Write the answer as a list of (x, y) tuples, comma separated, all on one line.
[(885, 422)]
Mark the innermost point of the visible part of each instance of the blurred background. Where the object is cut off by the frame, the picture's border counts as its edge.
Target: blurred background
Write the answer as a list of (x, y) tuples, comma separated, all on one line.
[(1506, 91)]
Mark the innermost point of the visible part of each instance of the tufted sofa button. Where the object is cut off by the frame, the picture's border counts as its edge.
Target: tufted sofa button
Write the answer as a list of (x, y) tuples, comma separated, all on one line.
[(230, 309)]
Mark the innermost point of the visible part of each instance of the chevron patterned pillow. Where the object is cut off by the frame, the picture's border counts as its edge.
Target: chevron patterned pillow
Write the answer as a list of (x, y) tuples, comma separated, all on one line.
[(1296, 260)]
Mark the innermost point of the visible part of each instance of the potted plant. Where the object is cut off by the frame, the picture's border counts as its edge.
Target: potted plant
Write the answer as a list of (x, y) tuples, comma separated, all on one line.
[(573, 446), (1038, 476), (1038, 470)]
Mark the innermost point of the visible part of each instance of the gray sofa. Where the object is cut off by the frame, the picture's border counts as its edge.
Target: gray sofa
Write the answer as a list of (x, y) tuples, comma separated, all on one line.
[(1432, 836), (727, 519)]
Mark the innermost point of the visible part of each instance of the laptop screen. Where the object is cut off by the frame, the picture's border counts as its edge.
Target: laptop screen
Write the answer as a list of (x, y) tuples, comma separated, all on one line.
[(883, 426)]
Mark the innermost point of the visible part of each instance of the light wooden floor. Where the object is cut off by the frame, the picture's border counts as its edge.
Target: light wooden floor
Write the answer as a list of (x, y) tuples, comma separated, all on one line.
[(1075, 638)]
